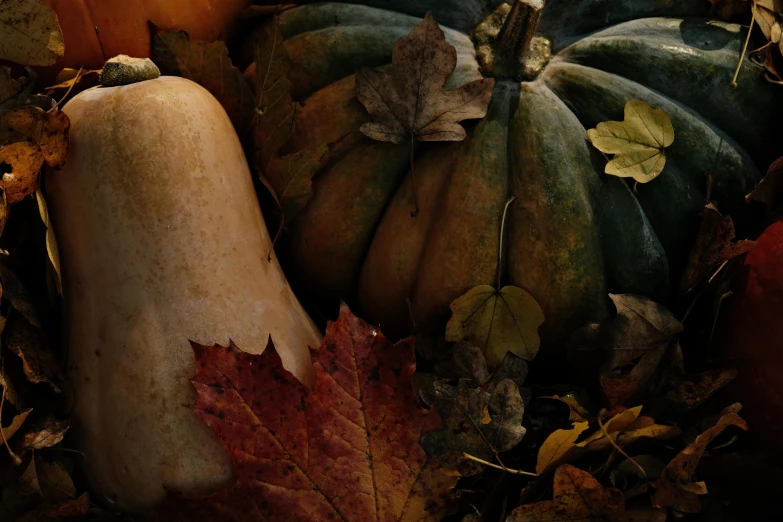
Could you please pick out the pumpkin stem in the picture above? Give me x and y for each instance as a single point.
(124, 70)
(500, 241)
(507, 45)
(519, 28)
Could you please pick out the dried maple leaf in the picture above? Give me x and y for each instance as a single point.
(347, 450)
(577, 496)
(29, 33)
(411, 102)
(478, 422)
(674, 488)
(637, 142)
(714, 245)
(638, 336)
(209, 65)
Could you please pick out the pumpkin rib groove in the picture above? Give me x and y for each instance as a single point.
(565, 21)
(554, 249)
(596, 96)
(708, 63)
(465, 229)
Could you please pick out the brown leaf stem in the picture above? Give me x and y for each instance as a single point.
(413, 184)
(500, 241)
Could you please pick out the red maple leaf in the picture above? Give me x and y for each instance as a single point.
(348, 450)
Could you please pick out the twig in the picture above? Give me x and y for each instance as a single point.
(709, 281)
(75, 81)
(745, 47)
(616, 446)
(507, 470)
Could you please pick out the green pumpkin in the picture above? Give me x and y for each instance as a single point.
(574, 233)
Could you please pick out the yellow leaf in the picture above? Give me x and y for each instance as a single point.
(558, 445)
(497, 322)
(615, 425)
(637, 142)
(29, 33)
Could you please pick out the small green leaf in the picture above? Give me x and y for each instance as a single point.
(497, 322)
(637, 142)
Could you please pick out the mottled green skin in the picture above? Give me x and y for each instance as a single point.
(573, 233)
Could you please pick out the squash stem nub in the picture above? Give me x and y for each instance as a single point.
(519, 28)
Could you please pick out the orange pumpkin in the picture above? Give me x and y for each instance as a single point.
(122, 26)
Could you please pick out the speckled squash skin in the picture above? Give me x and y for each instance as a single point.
(162, 242)
(574, 234)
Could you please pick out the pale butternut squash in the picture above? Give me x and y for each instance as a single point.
(162, 242)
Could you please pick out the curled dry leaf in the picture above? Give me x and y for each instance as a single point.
(682, 393)
(290, 178)
(28, 343)
(637, 142)
(638, 336)
(579, 497)
(16, 92)
(623, 429)
(209, 65)
(51, 241)
(412, 102)
(55, 482)
(75, 80)
(14, 290)
(477, 422)
(16, 423)
(497, 322)
(674, 488)
(714, 245)
(29, 33)
(347, 450)
(559, 447)
(68, 509)
(770, 190)
(45, 432)
(30, 136)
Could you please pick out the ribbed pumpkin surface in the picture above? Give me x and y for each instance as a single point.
(574, 234)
